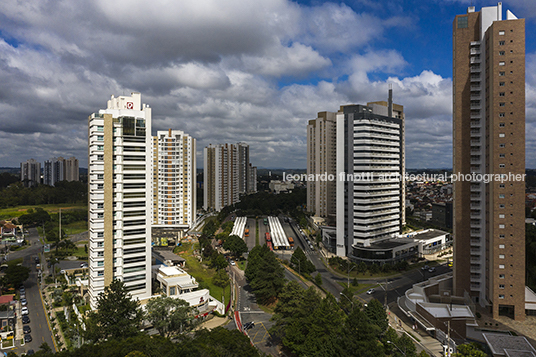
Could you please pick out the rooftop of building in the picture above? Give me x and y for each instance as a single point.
(507, 345)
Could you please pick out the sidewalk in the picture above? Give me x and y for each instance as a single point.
(401, 323)
(213, 323)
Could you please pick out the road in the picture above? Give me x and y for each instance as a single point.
(38, 322)
(249, 311)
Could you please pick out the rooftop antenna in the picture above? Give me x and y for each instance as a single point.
(390, 105)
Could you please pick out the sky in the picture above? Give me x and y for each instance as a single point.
(253, 71)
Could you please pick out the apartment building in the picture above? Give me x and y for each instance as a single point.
(59, 169)
(369, 174)
(120, 193)
(227, 175)
(30, 173)
(174, 174)
(321, 160)
(489, 138)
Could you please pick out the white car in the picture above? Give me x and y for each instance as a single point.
(370, 291)
(233, 263)
(24, 311)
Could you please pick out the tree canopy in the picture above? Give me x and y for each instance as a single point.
(118, 316)
(265, 274)
(235, 245)
(170, 316)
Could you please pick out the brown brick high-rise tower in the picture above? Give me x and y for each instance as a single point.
(489, 139)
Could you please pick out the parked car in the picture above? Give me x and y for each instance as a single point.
(431, 270)
(26, 329)
(23, 302)
(27, 338)
(83, 265)
(26, 319)
(426, 267)
(371, 291)
(23, 295)
(233, 263)
(24, 311)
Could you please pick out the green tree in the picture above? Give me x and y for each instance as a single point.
(360, 336)
(300, 262)
(235, 245)
(16, 275)
(269, 279)
(469, 350)
(118, 316)
(218, 261)
(170, 316)
(374, 269)
(376, 314)
(221, 278)
(318, 279)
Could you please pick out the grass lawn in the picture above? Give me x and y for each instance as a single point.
(241, 264)
(198, 271)
(7, 213)
(361, 288)
(75, 227)
(14, 261)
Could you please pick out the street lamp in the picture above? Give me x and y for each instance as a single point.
(394, 344)
(299, 264)
(348, 299)
(349, 270)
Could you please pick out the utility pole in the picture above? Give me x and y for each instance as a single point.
(448, 338)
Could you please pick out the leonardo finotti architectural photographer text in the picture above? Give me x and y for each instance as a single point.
(389, 177)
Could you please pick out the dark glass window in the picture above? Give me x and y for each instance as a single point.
(463, 22)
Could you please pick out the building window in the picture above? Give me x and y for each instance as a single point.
(100, 244)
(501, 33)
(100, 157)
(100, 264)
(501, 266)
(502, 184)
(501, 226)
(100, 138)
(100, 273)
(501, 84)
(501, 135)
(502, 145)
(501, 236)
(501, 246)
(501, 286)
(501, 74)
(100, 176)
(502, 165)
(463, 22)
(501, 256)
(100, 128)
(172, 290)
(501, 43)
(502, 104)
(501, 94)
(501, 63)
(501, 53)
(501, 296)
(501, 276)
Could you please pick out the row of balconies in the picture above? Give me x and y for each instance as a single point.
(377, 219)
(378, 148)
(375, 233)
(376, 141)
(376, 129)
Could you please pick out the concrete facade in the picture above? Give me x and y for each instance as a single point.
(120, 193)
(174, 174)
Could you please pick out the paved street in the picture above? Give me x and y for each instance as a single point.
(40, 331)
(250, 312)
